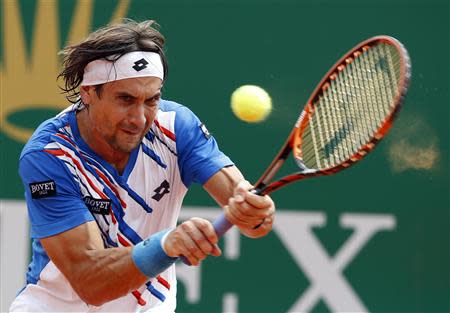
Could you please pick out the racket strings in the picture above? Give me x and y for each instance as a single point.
(349, 112)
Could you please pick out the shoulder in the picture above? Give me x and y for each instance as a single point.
(167, 105)
(179, 111)
(173, 120)
(42, 136)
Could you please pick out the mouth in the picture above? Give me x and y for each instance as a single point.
(132, 132)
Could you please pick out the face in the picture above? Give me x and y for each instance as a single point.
(120, 117)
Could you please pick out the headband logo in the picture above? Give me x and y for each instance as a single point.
(139, 65)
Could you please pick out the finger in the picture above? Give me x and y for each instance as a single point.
(241, 190)
(244, 193)
(206, 228)
(261, 231)
(266, 222)
(207, 237)
(216, 251)
(210, 234)
(175, 244)
(266, 225)
(236, 217)
(191, 237)
(193, 260)
(258, 201)
(248, 215)
(246, 209)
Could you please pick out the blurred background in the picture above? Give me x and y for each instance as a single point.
(374, 238)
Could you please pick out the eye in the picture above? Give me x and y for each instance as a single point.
(153, 101)
(126, 98)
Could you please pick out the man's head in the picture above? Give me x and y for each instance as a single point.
(110, 42)
(117, 73)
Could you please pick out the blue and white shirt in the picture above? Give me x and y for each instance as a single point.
(68, 184)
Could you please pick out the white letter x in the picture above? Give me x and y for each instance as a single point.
(325, 274)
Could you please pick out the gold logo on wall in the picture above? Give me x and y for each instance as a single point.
(29, 82)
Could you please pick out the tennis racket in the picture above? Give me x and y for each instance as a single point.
(349, 112)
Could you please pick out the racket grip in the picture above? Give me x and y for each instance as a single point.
(221, 226)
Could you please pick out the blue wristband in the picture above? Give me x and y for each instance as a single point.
(150, 257)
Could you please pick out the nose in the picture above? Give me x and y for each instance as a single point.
(137, 117)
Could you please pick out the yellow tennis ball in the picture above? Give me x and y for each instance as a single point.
(251, 103)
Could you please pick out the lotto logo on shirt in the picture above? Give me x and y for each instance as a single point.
(43, 189)
(97, 206)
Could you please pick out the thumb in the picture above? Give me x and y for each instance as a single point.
(241, 189)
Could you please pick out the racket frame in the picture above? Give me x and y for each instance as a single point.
(293, 142)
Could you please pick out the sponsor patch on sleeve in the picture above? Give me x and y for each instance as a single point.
(43, 189)
(205, 131)
(97, 206)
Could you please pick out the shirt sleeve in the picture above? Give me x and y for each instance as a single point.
(199, 156)
(53, 197)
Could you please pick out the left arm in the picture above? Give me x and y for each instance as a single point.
(253, 214)
(201, 161)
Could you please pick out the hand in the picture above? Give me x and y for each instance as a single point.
(195, 239)
(252, 213)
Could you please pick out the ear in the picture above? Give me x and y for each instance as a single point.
(86, 94)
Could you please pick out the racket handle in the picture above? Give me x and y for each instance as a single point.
(221, 226)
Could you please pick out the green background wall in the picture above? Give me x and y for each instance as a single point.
(286, 46)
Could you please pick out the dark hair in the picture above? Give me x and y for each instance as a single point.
(109, 42)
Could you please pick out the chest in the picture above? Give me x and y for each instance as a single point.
(130, 208)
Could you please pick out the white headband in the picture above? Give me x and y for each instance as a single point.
(130, 65)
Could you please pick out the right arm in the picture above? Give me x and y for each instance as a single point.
(96, 274)
(99, 275)
(72, 240)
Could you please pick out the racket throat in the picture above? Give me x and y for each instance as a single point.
(259, 190)
(302, 166)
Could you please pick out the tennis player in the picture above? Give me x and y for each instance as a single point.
(105, 180)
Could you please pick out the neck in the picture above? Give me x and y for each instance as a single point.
(116, 158)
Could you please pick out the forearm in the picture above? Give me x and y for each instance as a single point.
(99, 275)
(221, 186)
(102, 275)
(252, 213)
